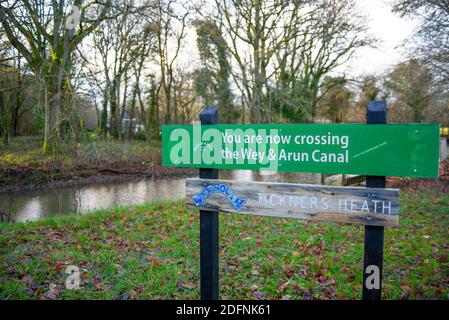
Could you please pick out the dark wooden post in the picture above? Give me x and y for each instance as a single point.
(209, 228)
(374, 236)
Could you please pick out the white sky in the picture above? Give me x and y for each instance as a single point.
(390, 29)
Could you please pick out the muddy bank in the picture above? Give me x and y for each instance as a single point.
(28, 178)
(23, 166)
(51, 173)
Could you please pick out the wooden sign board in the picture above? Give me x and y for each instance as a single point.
(361, 206)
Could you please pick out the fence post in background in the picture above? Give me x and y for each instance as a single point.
(374, 236)
(209, 228)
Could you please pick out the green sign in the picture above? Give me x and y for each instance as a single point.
(410, 150)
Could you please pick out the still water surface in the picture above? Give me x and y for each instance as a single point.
(36, 204)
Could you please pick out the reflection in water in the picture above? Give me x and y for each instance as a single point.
(267, 176)
(35, 204)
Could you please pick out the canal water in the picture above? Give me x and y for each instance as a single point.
(35, 204)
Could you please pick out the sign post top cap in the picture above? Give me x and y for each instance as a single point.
(211, 110)
(377, 106)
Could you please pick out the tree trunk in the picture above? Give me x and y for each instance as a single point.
(104, 113)
(46, 121)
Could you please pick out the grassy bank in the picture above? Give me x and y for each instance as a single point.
(152, 252)
(23, 166)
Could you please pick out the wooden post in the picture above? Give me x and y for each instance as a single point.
(209, 228)
(374, 236)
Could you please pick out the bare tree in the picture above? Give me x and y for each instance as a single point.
(411, 85)
(120, 48)
(254, 31)
(336, 102)
(185, 97)
(169, 24)
(144, 48)
(328, 38)
(38, 30)
(280, 48)
(432, 37)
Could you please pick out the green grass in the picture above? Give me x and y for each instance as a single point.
(152, 252)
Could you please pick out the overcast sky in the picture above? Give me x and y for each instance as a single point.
(390, 29)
